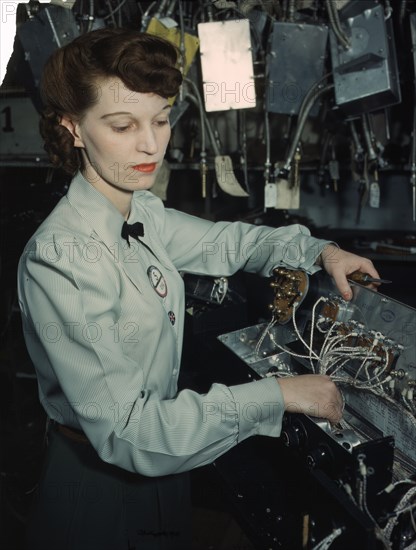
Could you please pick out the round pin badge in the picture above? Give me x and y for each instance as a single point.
(157, 281)
(172, 317)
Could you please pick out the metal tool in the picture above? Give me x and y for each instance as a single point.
(365, 278)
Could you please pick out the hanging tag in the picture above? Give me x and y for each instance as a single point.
(288, 198)
(270, 195)
(374, 200)
(226, 178)
(168, 22)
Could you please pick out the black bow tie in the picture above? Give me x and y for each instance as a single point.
(134, 230)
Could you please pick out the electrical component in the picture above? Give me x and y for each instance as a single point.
(290, 288)
(368, 347)
(228, 84)
(365, 73)
(295, 63)
(52, 28)
(20, 141)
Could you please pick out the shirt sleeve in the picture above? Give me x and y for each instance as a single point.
(202, 247)
(69, 308)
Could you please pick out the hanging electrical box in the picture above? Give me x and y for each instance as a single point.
(227, 65)
(40, 36)
(365, 74)
(20, 142)
(294, 64)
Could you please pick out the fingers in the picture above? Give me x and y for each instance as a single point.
(343, 285)
(333, 412)
(339, 264)
(368, 267)
(312, 394)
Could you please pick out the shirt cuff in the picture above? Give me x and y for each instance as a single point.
(306, 255)
(260, 406)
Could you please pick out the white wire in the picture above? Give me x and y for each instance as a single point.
(328, 540)
(288, 351)
(366, 358)
(329, 350)
(264, 334)
(321, 299)
(384, 368)
(330, 341)
(362, 489)
(115, 10)
(371, 374)
(400, 508)
(333, 356)
(338, 367)
(295, 326)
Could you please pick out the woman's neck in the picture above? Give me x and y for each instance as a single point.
(121, 198)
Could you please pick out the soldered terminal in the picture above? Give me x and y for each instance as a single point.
(290, 288)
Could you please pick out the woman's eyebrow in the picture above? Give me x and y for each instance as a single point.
(166, 107)
(117, 113)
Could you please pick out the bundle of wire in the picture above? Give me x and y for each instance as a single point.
(336, 353)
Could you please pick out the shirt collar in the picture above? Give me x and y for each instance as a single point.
(97, 210)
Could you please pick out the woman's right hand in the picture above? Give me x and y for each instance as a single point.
(312, 394)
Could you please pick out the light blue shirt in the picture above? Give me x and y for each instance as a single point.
(103, 324)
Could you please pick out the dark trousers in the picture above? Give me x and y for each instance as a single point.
(82, 503)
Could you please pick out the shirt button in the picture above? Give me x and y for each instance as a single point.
(172, 317)
(175, 371)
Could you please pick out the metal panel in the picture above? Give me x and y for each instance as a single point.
(295, 63)
(40, 36)
(368, 414)
(227, 65)
(20, 139)
(365, 75)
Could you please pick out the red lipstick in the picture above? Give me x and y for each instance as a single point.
(147, 168)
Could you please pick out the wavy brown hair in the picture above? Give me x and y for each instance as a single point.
(70, 81)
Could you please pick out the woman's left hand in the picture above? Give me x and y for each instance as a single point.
(339, 263)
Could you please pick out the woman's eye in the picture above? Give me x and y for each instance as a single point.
(162, 122)
(120, 128)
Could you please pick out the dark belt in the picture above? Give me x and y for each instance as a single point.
(71, 433)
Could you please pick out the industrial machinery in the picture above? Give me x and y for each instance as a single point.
(303, 87)
(364, 467)
(309, 118)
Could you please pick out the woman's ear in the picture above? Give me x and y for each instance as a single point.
(73, 127)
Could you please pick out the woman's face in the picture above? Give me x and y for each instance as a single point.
(123, 138)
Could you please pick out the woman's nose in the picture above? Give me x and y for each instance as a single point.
(146, 141)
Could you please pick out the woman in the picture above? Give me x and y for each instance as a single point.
(103, 309)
